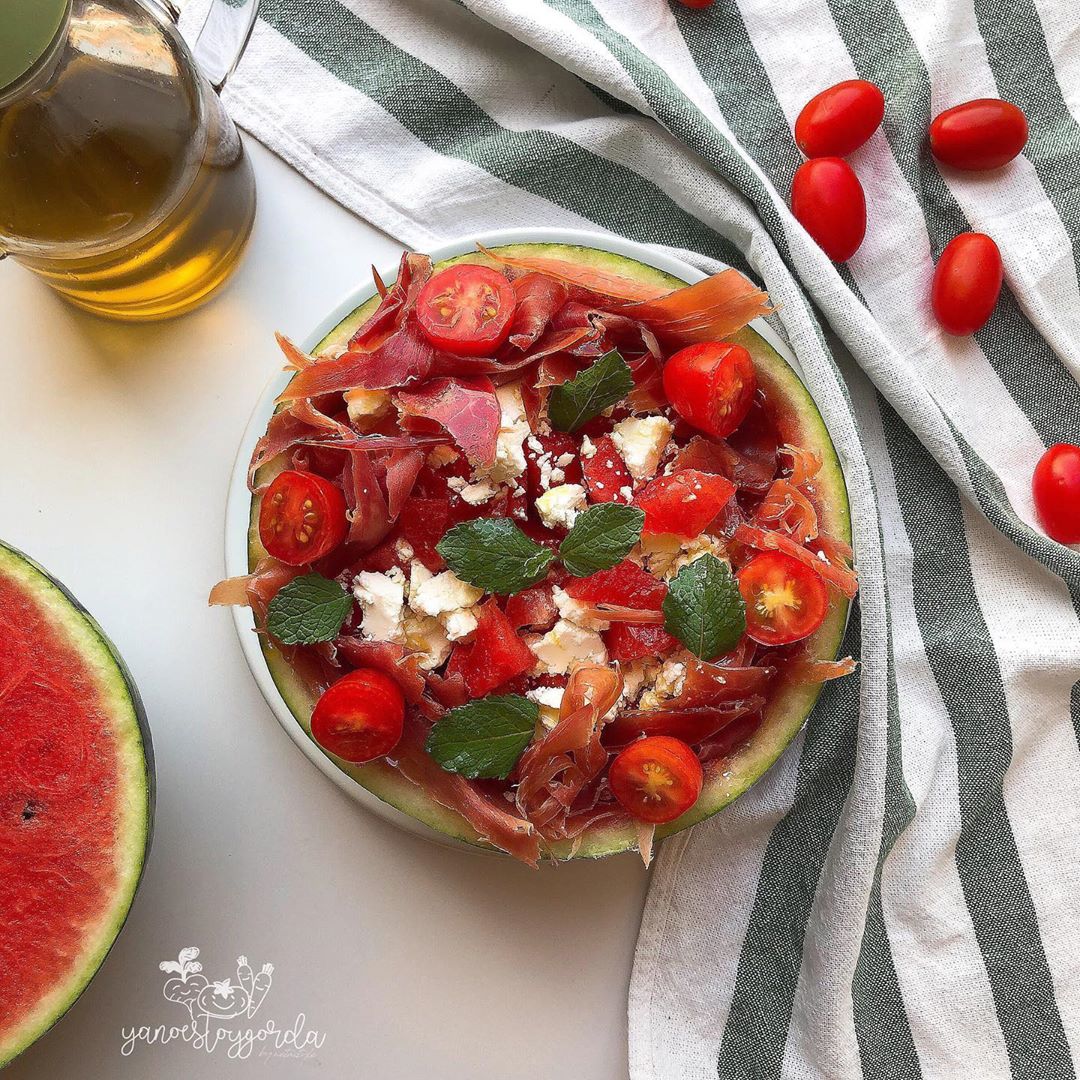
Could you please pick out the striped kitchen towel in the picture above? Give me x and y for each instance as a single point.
(899, 897)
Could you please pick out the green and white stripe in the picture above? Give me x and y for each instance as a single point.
(898, 897)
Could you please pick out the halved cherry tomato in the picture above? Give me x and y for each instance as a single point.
(785, 600)
(828, 201)
(967, 281)
(982, 134)
(466, 309)
(360, 717)
(302, 518)
(840, 119)
(656, 779)
(606, 475)
(683, 503)
(1056, 487)
(711, 386)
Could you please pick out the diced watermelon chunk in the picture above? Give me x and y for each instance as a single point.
(625, 584)
(683, 503)
(606, 474)
(422, 523)
(532, 608)
(497, 654)
(626, 641)
(553, 446)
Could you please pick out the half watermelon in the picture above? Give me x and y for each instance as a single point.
(76, 799)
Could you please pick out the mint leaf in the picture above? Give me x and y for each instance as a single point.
(484, 738)
(308, 609)
(495, 555)
(703, 608)
(604, 383)
(601, 537)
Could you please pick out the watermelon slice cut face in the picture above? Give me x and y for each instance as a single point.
(76, 799)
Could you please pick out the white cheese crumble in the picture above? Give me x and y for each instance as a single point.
(475, 492)
(641, 441)
(694, 549)
(668, 684)
(634, 675)
(427, 636)
(442, 456)
(588, 447)
(403, 549)
(549, 698)
(440, 594)
(382, 600)
(560, 506)
(363, 405)
(513, 430)
(459, 623)
(658, 551)
(565, 644)
(574, 611)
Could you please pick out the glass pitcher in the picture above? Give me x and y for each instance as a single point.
(123, 183)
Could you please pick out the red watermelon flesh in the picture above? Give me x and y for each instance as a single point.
(75, 800)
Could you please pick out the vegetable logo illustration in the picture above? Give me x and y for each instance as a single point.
(212, 1003)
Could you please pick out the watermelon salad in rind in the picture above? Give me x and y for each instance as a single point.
(76, 798)
(791, 697)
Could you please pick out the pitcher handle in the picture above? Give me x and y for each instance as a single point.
(223, 38)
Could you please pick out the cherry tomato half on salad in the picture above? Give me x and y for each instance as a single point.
(828, 201)
(840, 119)
(466, 309)
(360, 717)
(1056, 487)
(302, 518)
(967, 281)
(785, 600)
(711, 386)
(982, 134)
(656, 779)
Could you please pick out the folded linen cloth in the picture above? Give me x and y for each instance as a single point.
(898, 897)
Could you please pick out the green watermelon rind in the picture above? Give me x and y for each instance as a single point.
(790, 705)
(134, 751)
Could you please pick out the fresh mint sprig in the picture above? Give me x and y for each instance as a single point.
(484, 739)
(495, 555)
(602, 536)
(604, 383)
(704, 609)
(307, 610)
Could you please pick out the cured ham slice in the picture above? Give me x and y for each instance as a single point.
(368, 514)
(539, 297)
(492, 821)
(469, 411)
(413, 273)
(394, 660)
(255, 590)
(402, 469)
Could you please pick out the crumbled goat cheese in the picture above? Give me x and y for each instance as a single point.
(560, 506)
(363, 405)
(513, 430)
(459, 623)
(668, 684)
(659, 550)
(564, 459)
(382, 599)
(627, 493)
(549, 698)
(634, 675)
(565, 644)
(588, 447)
(574, 611)
(427, 636)
(694, 549)
(479, 492)
(442, 593)
(442, 456)
(403, 549)
(641, 441)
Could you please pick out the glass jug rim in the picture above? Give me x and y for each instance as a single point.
(39, 50)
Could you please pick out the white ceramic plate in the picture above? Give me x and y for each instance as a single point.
(238, 510)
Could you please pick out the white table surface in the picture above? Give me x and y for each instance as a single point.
(415, 962)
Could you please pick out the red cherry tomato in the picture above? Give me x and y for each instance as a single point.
(360, 717)
(827, 200)
(1056, 487)
(466, 309)
(840, 119)
(982, 134)
(656, 779)
(967, 281)
(302, 518)
(711, 386)
(606, 474)
(785, 600)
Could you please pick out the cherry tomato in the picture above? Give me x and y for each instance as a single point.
(656, 779)
(967, 281)
(982, 134)
(360, 717)
(1056, 487)
(711, 386)
(302, 517)
(785, 600)
(827, 200)
(840, 119)
(466, 309)
(606, 474)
